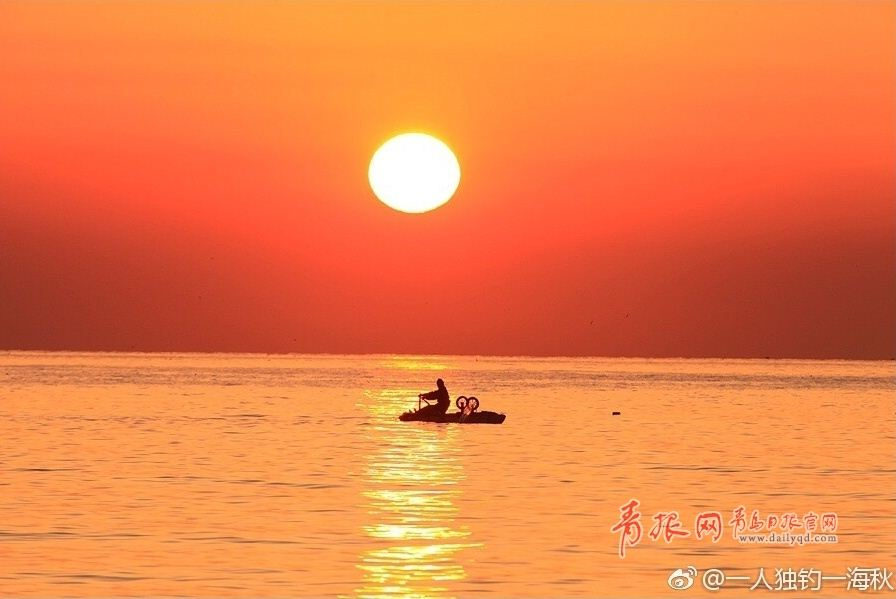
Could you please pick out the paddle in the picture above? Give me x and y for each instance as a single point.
(423, 399)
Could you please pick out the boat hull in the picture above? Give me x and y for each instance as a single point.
(454, 417)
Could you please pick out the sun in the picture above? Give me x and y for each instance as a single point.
(414, 172)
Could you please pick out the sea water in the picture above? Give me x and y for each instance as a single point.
(290, 475)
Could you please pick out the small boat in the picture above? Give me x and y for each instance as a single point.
(467, 415)
(474, 418)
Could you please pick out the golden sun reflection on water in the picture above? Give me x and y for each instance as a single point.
(410, 487)
(413, 363)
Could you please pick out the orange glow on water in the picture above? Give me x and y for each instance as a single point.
(216, 475)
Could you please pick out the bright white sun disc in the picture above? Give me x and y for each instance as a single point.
(414, 172)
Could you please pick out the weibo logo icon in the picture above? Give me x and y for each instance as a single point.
(681, 580)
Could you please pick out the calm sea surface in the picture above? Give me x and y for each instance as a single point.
(252, 475)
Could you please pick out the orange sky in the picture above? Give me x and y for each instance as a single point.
(640, 179)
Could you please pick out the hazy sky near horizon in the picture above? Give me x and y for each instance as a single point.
(638, 179)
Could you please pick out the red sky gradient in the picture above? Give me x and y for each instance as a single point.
(638, 179)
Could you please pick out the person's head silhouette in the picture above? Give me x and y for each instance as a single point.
(440, 384)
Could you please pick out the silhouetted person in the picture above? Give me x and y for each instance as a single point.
(440, 395)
